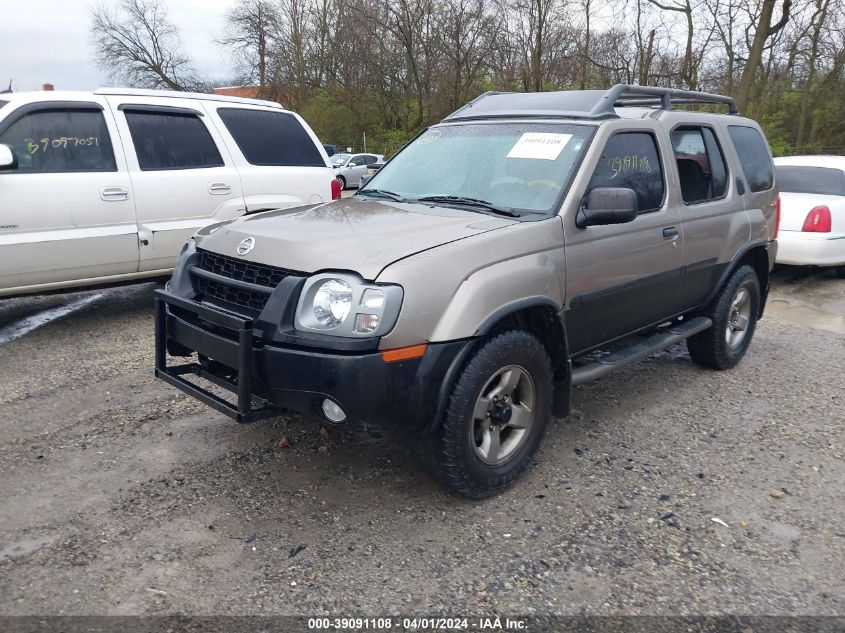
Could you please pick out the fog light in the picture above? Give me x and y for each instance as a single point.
(366, 323)
(333, 412)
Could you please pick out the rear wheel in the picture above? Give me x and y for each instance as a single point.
(497, 415)
(734, 313)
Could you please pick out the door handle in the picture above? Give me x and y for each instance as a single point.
(219, 188)
(670, 233)
(114, 194)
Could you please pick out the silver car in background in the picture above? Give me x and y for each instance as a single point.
(348, 168)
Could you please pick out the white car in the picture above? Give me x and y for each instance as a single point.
(812, 207)
(105, 187)
(349, 168)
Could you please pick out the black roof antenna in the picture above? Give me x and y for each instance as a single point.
(7, 90)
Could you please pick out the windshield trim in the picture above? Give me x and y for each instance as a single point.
(523, 213)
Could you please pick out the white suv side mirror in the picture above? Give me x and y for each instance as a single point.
(8, 160)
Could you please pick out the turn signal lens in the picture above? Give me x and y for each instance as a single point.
(403, 353)
(818, 221)
(366, 323)
(777, 218)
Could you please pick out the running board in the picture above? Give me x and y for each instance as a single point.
(646, 347)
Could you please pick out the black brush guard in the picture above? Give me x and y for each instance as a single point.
(236, 354)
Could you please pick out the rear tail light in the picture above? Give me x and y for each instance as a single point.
(337, 188)
(777, 217)
(818, 220)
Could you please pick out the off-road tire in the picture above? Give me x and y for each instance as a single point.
(449, 454)
(710, 348)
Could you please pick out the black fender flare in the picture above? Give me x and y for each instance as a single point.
(562, 386)
(731, 268)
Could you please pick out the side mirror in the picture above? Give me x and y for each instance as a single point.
(8, 159)
(607, 205)
(364, 181)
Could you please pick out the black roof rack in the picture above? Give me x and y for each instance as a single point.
(583, 104)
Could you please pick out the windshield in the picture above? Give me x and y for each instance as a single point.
(824, 181)
(339, 159)
(519, 166)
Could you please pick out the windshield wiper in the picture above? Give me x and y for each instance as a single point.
(470, 202)
(381, 193)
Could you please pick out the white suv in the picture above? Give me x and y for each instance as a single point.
(105, 187)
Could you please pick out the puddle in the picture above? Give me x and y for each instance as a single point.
(807, 316)
(23, 547)
(30, 323)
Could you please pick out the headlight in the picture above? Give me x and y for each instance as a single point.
(332, 302)
(341, 304)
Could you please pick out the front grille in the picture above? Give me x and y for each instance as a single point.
(242, 270)
(237, 270)
(216, 293)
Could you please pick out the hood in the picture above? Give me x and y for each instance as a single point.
(794, 207)
(353, 234)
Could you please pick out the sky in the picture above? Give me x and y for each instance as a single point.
(47, 41)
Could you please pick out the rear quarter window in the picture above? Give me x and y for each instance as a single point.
(271, 138)
(755, 157)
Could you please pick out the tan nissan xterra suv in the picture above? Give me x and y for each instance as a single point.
(526, 244)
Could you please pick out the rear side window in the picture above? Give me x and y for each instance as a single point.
(755, 157)
(701, 166)
(271, 138)
(631, 160)
(55, 141)
(171, 141)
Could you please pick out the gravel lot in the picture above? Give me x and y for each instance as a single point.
(119, 495)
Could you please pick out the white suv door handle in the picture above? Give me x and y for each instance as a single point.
(219, 188)
(114, 194)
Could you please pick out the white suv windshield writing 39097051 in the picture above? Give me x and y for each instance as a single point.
(522, 167)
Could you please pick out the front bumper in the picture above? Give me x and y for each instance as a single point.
(811, 249)
(268, 378)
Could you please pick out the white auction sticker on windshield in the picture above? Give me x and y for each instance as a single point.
(542, 145)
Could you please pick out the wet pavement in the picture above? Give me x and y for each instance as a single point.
(809, 297)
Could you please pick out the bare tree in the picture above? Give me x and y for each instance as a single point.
(137, 44)
(763, 30)
(250, 28)
(391, 67)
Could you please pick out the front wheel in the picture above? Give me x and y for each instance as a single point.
(734, 314)
(497, 415)
(342, 181)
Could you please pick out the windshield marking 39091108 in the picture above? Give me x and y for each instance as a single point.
(500, 168)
